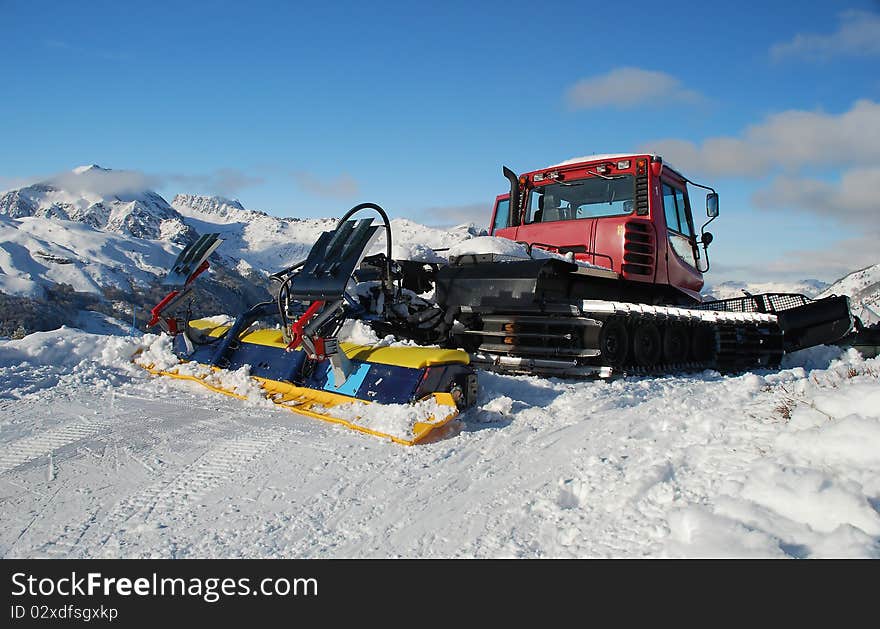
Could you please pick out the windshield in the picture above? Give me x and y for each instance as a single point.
(585, 198)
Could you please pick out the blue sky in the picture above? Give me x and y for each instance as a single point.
(308, 109)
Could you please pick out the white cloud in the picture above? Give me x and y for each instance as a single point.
(853, 198)
(342, 187)
(858, 33)
(109, 182)
(814, 162)
(13, 183)
(224, 181)
(788, 140)
(104, 183)
(828, 263)
(628, 87)
(477, 213)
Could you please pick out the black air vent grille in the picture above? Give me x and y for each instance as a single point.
(642, 195)
(639, 249)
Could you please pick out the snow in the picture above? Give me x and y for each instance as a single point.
(99, 323)
(79, 170)
(508, 250)
(37, 252)
(156, 353)
(599, 157)
(502, 247)
(416, 252)
(397, 420)
(768, 464)
(358, 332)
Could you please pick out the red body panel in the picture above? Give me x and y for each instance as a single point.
(638, 247)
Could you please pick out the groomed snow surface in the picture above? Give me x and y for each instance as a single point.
(100, 459)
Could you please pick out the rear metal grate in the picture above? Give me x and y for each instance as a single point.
(770, 303)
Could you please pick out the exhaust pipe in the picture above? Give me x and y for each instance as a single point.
(514, 195)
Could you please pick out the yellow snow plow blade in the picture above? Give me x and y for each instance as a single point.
(319, 404)
(414, 357)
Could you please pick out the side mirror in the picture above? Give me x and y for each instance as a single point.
(712, 205)
(708, 237)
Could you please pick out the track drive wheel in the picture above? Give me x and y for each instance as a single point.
(676, 344)
(647, 344)
(703, 343)
(614, 343)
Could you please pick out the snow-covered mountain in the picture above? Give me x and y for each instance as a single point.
(37, 252)
(863, 288)
(269, 243)
(727, 290)
(92, 229)
(96, 239)
(95, 230)
(105, 199)
(220, 209)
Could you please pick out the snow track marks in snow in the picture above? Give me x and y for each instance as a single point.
(30, 448)
(211, 470)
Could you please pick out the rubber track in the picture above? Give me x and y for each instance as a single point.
(734, 332)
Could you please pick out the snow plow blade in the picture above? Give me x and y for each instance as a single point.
(419, 381)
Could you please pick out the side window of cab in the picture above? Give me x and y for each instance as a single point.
(675, 206)
(502, 213)
(679, 224)
(669, 207)
(684, 213)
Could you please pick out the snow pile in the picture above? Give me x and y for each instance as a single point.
(158, 354)
(64, 358)
(416, 252)
(65, 348)
(219, 319)
(503, 248)
(359, 333)
(813, 491)
(506, 250)
(395, 420)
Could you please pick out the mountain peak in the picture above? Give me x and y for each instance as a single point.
(206, 202)
(213, 208)
(88, 168)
